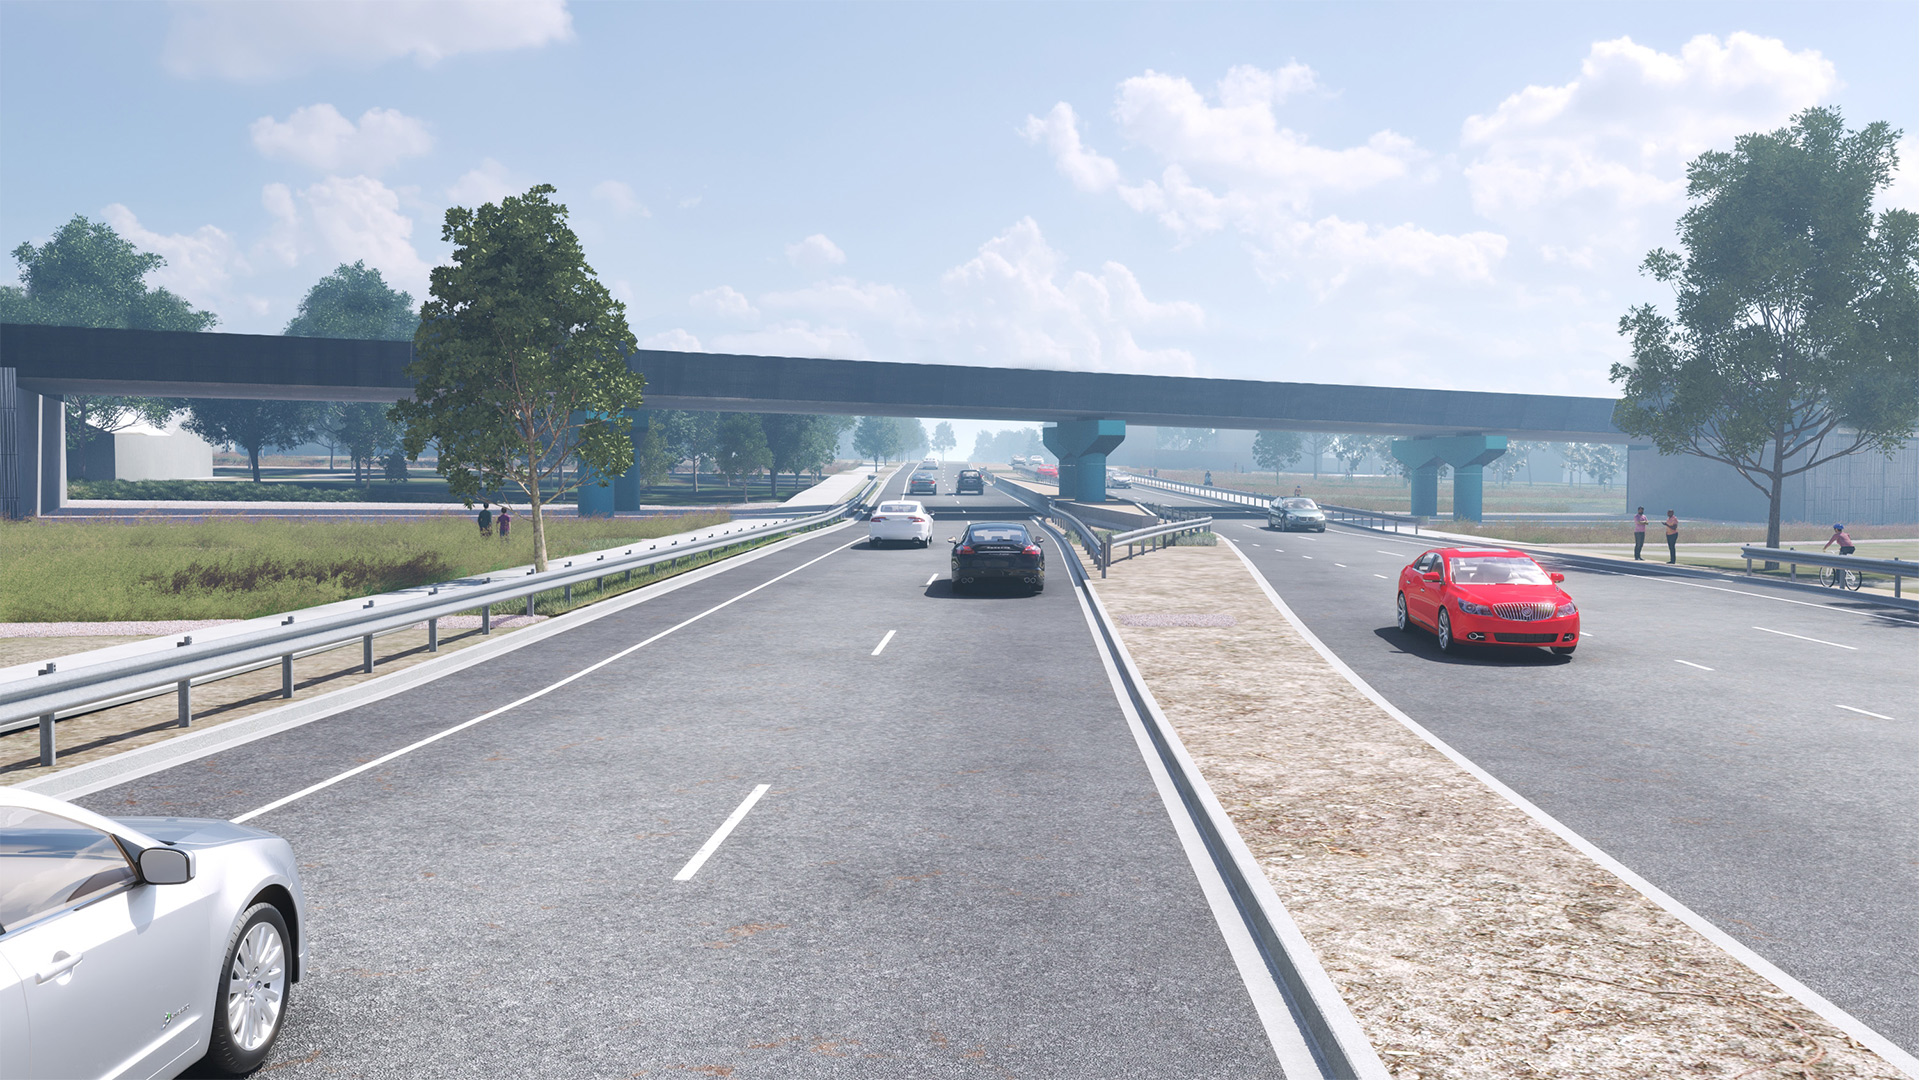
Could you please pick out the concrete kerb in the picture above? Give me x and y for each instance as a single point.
(1622, 566)
(1280, 967)
(144, 761)
(1753, 961)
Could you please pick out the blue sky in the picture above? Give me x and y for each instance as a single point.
(1431, 194)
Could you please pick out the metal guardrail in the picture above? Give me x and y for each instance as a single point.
(1033, 500)
(1893, 568)
(1148, 536)
(1354, 513)
(56, 690)
(1226, 495)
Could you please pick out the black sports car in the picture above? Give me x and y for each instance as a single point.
(970, 481)
(998, 551)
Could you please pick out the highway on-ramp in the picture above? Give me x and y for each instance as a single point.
(1748, 749)
(948, 855)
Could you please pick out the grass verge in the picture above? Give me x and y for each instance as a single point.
(95, 572)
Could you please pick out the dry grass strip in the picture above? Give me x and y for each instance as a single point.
(1469, 941)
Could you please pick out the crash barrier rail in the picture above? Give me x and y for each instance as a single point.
(1153, 536)
(1330, 1042)
(1352, 514)
(55, 691)
(1089, 540)
(1893, 568)
(1226, 495)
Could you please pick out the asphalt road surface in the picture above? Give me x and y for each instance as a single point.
(960, 864)
(1749, 749)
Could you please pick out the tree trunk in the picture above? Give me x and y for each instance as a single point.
(539, 527)
(696, 475)
(253, 460)
(1776, 481)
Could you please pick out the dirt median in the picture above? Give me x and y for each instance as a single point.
(1469, 940)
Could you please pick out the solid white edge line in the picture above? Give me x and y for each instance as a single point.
(1802, 637)
(1690, 663)
(1863, 712)
(511, 705)
(713, 842)
(1283, 1033)
(1759, 965)
(882, 645)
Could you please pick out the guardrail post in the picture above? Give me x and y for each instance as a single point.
(286, 676)
(567, 593)
(47, 754)
(183, 696)
(433, 635)
(486, 619)
(529, 605)
(366, 654)
(1793, 571)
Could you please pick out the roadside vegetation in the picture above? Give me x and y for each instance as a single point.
(95, 572)
(1792, 532)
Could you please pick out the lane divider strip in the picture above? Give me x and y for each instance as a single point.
(713, 842)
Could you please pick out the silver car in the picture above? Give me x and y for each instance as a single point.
(1296, 512)
(137, 947)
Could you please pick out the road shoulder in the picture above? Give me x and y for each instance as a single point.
(1467, 938)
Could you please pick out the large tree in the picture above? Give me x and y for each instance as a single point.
(355, 302)
(1276, 450)
(254, 426)
(88, 275)
(943, 439)
(798, 442)
(1793, 341)
(520, 362)
(740, 448)
(876, 437)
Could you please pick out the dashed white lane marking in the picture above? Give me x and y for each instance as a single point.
(537, 694)
(1801, 637)
(933, 577)
(1395, 554)
(1306, 556)
(1690, 663)
(882, 645)
(1383, 577)
(1341, 565)
(713, 842)
(1863, 712)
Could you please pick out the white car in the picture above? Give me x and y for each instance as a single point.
(140, 946)
(1119, 479)
(907, 522)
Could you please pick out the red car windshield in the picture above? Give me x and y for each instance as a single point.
(1496, 570)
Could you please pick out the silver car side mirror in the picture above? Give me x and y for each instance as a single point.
(166, 866)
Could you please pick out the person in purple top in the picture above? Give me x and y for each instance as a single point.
(504, 521)
(1639, 532)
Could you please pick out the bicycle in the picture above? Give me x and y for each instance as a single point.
(1834, 578)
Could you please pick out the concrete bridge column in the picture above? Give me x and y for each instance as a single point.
(1467, 454)
(1082, 447)
(624, 492)
(33, 451)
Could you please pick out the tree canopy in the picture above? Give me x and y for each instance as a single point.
(877, 437)
(1793, 340)
(355, 302)
(254, 425)
(1277, 449)
(520, 362)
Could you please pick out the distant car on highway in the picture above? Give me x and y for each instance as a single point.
(1487, 597)
(138, 947)
(970, 481)
(1296, 512)
(903, 522)
(929, 463)
(924, 483)
(1018, 460)
(1118, 479)
(998, 551)
(1047, 472)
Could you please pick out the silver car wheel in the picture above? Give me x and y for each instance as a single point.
(256, 987)
(1400, 610)
(1444, 631)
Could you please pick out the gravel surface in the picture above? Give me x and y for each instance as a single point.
(1470, 941)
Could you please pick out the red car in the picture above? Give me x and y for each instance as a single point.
(1047, 472)
(1487, 597)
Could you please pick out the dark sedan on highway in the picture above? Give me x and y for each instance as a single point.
(1296, 512)
(998, 551)
(924, 483)
(970, 482)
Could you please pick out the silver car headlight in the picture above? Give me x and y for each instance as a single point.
(1468, 607)
(1565, 610)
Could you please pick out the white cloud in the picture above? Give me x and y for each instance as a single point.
(1332, 250)
(1088, 170)
(318, 137)
(796, 338)
(689, 202)
(724, 302)
(282, 242)
(1607, 152)
(1015, 303)
(845, 298)
(674, 340)
(353, 218)
(264, 41)
(489, 183)
(200, 264)
(620, 197)
(816, 252)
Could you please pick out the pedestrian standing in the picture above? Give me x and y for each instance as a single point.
(1639, 532)
(485, 519)
(505, 522)
(1296, 491)
(1673, 538)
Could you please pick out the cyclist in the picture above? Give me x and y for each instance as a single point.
(1846, 548)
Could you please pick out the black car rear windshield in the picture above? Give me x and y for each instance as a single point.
(997, 534)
